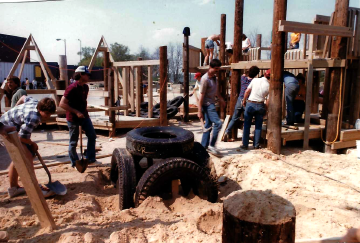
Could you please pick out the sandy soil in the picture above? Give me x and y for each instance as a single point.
(323, 188)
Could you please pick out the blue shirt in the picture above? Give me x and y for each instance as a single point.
(245, 81)
(289, 78)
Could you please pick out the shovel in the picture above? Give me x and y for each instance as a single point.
(202, 126)
(81, 164)
(56, 186)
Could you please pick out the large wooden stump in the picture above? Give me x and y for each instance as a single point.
(258, 216)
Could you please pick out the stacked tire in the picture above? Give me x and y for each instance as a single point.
(171, 110)
(177, 158)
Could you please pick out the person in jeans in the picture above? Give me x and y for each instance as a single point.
(74, 102)
(209, 46)
(239, 108)
(26, 116)
(291, 90)
(206, 107)
(257, 91)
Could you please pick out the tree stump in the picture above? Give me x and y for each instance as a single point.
(258, 216)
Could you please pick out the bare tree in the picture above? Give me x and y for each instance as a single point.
(175, 64)
(252, 36)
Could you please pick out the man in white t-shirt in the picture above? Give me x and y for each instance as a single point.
(257, 91)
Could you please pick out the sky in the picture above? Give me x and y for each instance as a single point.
(135, 23)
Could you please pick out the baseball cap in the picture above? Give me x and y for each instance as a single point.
(197, 75)
(82, 69)
(267, 73)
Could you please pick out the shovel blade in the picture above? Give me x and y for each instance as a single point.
(81, 165)
(57, 187)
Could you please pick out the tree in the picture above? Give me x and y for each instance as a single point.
(120, 52)
(143, 53)
(175, 63)
(87, 53)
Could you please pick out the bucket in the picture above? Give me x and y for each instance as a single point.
(358, 148)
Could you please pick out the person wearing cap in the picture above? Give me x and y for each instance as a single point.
(197, 86)
(209, 46)
(74, 102)
(257, 93)
(239, 108)
(294, 40)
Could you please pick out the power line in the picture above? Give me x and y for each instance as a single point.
(29, 1)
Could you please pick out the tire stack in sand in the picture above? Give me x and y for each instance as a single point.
(171, 155)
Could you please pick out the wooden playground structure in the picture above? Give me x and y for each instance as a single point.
(120, 78)
(329, 58)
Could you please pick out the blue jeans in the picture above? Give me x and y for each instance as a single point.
(237, 113)
(291, 90)
(210, 116)
(251, 110)
(88, 127)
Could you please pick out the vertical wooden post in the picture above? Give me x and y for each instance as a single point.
(140, 75)
(309, 82)
(222, 80)
(63, 69)
(326, 92)
(203, 50)
(237, 55)
(315, 93)
(28, 178)
(163, 85)
(150, 92)
(258, 44)
(276, 81)
(22, 65)
(112, 79)
(304, 47)
(106, 80)
(338, 51)
(138, 87)
(132, 98)
(186, 77)
(125, 71)
(355, 97)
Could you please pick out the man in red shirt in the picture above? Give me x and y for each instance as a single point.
(74, 102)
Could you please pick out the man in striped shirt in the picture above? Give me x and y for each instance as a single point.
(26, 117)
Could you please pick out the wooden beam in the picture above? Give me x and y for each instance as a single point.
(150, 93)
(92, 93)
(316, 29)
(132, 87)
(109, 108)
(309, 82)
(350, 134)
(17, 61)
(163, 86)
(22, 64)
(222, 81)
(137, 63)
(223, 128)
(193, 48)
(326, 49)
(341, 144)
(125, 84)
(29, 181)
(138, 123)
(93, 58)
(138, 86)
(186, 80)
(30, 48)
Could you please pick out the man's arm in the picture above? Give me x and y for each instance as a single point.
(64, 103)
(246, 95)
(201, 101)
(21, 100)
(4, 130)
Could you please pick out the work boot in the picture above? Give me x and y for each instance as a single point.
(213, 150)
(4, 236)
(15, 191)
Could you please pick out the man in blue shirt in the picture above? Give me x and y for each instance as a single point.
(291, 90)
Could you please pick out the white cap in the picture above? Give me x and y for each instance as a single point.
(82, 69)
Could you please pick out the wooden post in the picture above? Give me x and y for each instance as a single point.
(28, 179)
(222, 79)
(315, 93)
(258, 44)
(186, 78)
(355, 97)
(150, 93)
(63, 69)
(138, 86)
(304, 47)
(163, 86)
(309, 90)
(203, 50)
(140, 75)
(132, 98)
(22, 64)
(331, 124)
(106, 81)
(276, 81)
(246, 222)
(338, 51)
(237, 56)
(112, 79)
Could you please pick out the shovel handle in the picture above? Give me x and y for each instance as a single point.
(81, 149)
(43, 164)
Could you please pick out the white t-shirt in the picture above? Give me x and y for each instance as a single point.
(246, 42)
(197, 87)
(259, 89)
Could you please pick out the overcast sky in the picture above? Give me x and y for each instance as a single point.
(150, 23)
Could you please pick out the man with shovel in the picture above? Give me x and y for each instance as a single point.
(26, 116)
(74, 102)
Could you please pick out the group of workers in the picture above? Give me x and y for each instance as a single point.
(26, 114)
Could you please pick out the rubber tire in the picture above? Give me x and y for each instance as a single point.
(199, 155)
(126, 177)
(144, 105)
(171, 111)
(177, 101)
(164, 172)
(156, 106)
(159, 148)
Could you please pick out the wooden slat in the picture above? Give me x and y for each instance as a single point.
(17, 61)
(326, 49)
(41, 91)
(138, 86)
(193, 48)
(125, 84)
(137, 63)
(92, 93)
(223, 128)
(30, 48)
(29, 181)
(132, 87)
(108, 108)
(22, 64)
(93, 58)
(308, 106)
(138, 123)
(357, 35)
(341, 145)
(150, 92)
(321, 18)
(350, 134)
(317, 29)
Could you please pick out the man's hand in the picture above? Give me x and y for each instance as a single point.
(34, 147)
(200, 115)
(351, 236)
(80, 115)
(4, 130)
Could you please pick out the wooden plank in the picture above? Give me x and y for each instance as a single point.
(349, 134)
(93, 58)
(138, 123)
(341, 145)
(137, 63)
(22, 64)
(308, 106)
(41, 91)
(326, 49)
(125, 85)
(321, 18)
(132, 97)
(138, 86)
(223, 128)
(92, 93)
(317, 29)
(30, 48)
(29, 181)
(150, 93)
(17, 61)
(108, 108)
(193, 48)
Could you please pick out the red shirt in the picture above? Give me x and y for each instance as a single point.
(77, 96)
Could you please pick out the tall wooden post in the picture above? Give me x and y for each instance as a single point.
(138, 87)
(163, 85)
(63, 69)
(258, 43)
(140, 73)
(106, 79)
(186, 77)
(222, 80)
(237, 54)
(338, 51)
(276, 85)
(111, 98)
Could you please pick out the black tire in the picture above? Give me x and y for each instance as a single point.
(156, 106)
(126, 177)
(171, 111)
(162, 173)
(159, 142)
(199, 155)
(144, 105)
(177, 101)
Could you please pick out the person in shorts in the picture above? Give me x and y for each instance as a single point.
(209, 46)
